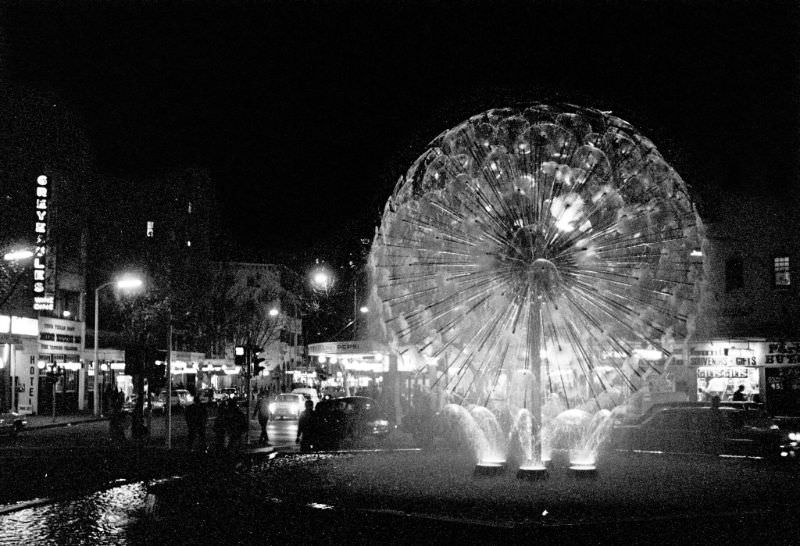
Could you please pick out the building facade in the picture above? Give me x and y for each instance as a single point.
(747, 330)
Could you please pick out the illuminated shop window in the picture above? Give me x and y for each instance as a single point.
(781, 271)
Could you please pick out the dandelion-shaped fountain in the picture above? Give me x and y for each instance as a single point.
(534, 252)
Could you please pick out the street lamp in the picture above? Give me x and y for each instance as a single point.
(126, 282)
(17, 255)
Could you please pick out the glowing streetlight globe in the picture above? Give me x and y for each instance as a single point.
(129, 282)
(16, 255)
(321, 279)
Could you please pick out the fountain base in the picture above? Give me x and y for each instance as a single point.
(487, 469)
(583, 470)
(532, 473)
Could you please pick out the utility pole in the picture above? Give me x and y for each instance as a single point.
(355, 306)
(248, 363)
(169, 384)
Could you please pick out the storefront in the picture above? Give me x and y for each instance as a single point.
(367, 368)
(782, 378)
(349, 366)
(19, 376)
(185, 367)
(217, 373)
(720, 367)
(59, 365)
(768, 370)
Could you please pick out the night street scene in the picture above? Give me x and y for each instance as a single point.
(399, 272)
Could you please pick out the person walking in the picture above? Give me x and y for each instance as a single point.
(262, 412)
(236, 424)
(196, 418)
(117, 419)
(220, 427)
(306, 433)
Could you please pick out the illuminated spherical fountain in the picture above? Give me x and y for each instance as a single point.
(537, 252)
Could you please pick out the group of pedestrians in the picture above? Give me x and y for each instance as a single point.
(230, 424)
(229, 427)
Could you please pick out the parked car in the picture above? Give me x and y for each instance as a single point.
(701, 429)
(349, 419)
(226, 393)
(309, 393)
(180, 398)
(287, 406)
(206, 396)
(158, 404)
(11, 423)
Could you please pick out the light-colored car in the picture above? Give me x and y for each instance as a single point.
(226, 393)
(309, 393)
(287, 406)
(180, 397)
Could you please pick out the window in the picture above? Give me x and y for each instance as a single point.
(734, 274)
(781, 271)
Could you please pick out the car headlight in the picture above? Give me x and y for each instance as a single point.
(271, 407)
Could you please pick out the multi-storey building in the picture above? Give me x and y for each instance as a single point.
(747, 330)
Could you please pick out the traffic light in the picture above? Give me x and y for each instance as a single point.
(257, 360)
(239, 356)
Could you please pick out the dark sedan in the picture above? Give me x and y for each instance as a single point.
(347, 420)
(11, 423)
(724, 431)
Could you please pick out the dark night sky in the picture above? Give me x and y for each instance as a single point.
(307, 112)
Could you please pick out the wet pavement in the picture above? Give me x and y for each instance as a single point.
(103, 517)
(413, 497)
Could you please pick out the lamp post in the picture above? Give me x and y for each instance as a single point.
(123, 283)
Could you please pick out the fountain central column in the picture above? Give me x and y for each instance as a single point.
(536, 372)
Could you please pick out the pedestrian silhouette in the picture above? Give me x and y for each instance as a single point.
(262, 412)
(196, 418)
(306, 428)
(235, 425)
(117, 420)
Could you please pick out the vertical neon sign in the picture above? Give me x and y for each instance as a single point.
(43, 281)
